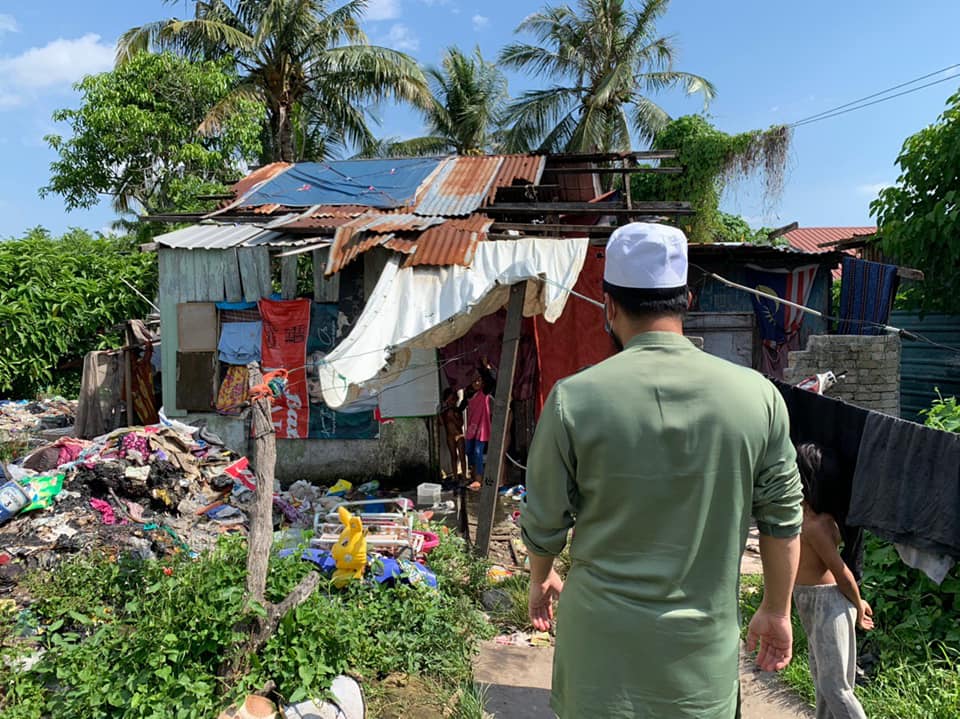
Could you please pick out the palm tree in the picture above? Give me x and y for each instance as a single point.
(308, 63)
(466, 111)
(605, 58)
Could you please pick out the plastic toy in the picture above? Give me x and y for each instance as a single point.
(350, 550)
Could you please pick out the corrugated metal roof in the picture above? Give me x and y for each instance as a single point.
(350, 241)
(215, 236)
(460, 187)
(261, 174)
(810, 239)
(518, 168)
(452, 243)
(399, 222)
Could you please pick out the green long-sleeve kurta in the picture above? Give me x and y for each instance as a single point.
(656, 457)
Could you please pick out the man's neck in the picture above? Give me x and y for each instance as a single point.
(672, 324)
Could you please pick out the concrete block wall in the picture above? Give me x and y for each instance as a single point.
(872, 365)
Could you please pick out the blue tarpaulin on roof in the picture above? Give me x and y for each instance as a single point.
(374, 183)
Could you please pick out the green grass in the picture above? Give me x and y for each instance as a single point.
(906, 688)
(128, 639)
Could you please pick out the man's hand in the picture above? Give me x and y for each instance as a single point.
(775, 634)
(542, 596)
(865, 616)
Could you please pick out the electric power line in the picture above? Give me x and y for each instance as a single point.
(837, 111)
(876, 94)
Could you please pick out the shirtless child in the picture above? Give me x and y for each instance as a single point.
(826, 594)
(452, 418)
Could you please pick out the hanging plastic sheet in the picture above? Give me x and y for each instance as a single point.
(429, 307)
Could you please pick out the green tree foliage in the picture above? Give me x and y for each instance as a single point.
(465, 113)
(59, 299)
(306, 62)
(919, 217)
(134, 138)
(711, 159)
(605, 59)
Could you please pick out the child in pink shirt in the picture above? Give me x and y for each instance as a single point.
(479, 413)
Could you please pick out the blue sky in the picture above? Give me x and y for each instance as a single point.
(772, 62)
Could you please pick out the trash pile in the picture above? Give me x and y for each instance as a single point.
(24, 424)
(170, 487)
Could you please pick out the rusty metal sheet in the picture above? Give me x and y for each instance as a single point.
(518, 168)
(261, 174)
(452, 243)
(460, 186)
(350, 241)
(406, 245)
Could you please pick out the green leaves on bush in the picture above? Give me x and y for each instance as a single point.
(944, 414)
(59, 299)
(129, 639)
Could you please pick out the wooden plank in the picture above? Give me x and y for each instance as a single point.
(250, 280)
(615, 170)
(128, 339)
(210, 275)
(288, 277)
(592, 208)
(325, 289)
(611, 156)
(168, 298)
(501, 411)
(550, 227)
(908, 273)
(261, 256)
(233, 287)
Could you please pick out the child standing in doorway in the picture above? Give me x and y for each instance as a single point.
(826, 594)
(452, 417)
(479, 413)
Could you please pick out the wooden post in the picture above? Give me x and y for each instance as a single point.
(128, 341)
(500, 419)
(261, 515)
(259, 542)
(288, 277)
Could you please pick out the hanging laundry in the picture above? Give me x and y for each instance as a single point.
(778, 323)
(240, 342)
(839, 427)
(234, 390)
(867, 292)
(906, 488)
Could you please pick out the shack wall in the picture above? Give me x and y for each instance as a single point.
(244, 274)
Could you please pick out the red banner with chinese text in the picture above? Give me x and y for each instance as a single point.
(286, 324)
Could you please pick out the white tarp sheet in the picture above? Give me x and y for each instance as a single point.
(429, 307)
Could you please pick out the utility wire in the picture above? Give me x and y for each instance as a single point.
(876, 94)
(906, 334)
(836, 112)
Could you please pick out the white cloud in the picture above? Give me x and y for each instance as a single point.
(383, 10)
(59, 63)
(8, 23)
(480, 22)
(400, 37)
(872, 189)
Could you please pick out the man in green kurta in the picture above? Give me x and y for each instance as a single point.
(656, 458)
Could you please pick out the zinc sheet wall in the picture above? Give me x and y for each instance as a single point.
(924, 367)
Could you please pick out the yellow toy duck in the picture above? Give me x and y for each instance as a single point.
(350, 551)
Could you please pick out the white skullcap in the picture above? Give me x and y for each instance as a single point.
(646, 256)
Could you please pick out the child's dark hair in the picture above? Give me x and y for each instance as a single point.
(819, 473)
(447, 393)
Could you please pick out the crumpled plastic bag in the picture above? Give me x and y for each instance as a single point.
(41, 490)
